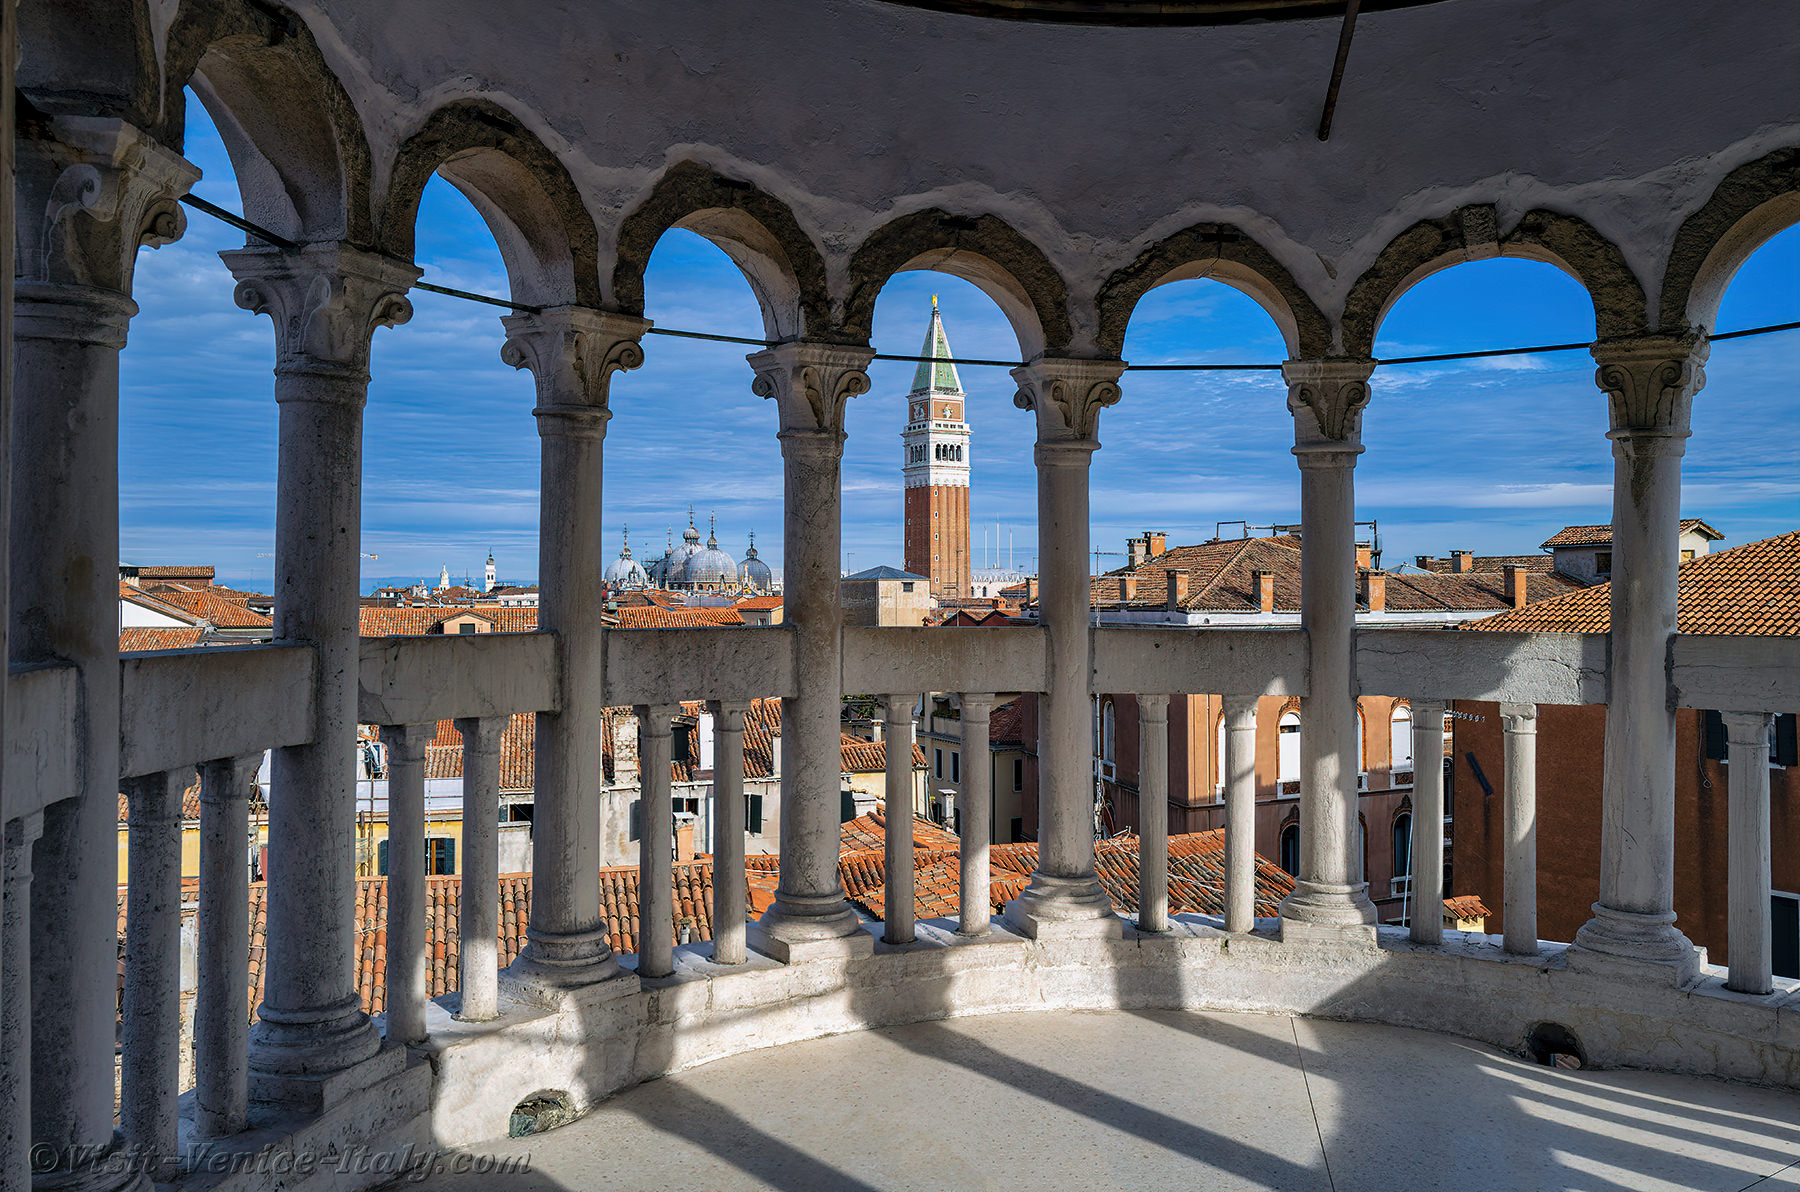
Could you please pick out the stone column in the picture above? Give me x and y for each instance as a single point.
(656, 841)
(325, 300)
(1519, 727)
(406, 984)
(901, 898)
(976, 886)
(15, 1002)
(478, 921)
(572, 353)
(810, 383)
(1064, 897)
(222, 949)
(729, 885)
(1747, 772)
(1428, 822)
(1650, 382)
(89, 192)
(1326, 398)
(1153, 812)
(1240, 813)
(150, 1018)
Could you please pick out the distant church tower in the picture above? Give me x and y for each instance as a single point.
(936, 468)
(489, 576)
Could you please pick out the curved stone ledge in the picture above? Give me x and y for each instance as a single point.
(605, 1038)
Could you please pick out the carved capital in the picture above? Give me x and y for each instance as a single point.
(573, 352)
(326, 300)
(1067, 395)
(811, 383)
(91, 192)
(1650, 382)
(1326, 398)
(1519, 719)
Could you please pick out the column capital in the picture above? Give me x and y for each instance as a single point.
(92, 191)
(1067, 395)
(811, 383)
(573, 352)
(326, 300)
(481, 733)
(1749, 729)
(728, 716)
(1240, 710)
(1326, 396)
(978, 703)
(1650, 382)
(230, 783)
(408, 741)
(1153, 707)
(1519, 718)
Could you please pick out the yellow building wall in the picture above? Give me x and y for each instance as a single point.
(368, 836)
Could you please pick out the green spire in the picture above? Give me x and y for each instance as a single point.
(936, 375)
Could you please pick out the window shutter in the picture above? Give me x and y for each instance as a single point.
(846, 806)
(1713, 731)
(1787, 741)
(449, 855)
(381, 858)
(755, 815)
(637, 819)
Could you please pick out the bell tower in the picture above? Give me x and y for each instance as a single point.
(936, 462)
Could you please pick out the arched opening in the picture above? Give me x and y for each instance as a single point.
(1290, 849)
(1108, 736)
(1403, 844)
(1288, 750)
(1400, 751)
(1219, 752)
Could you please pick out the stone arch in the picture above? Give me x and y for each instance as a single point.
(1471, 233)
(757, 231)
(522, 190)
(296, 141)
(1750, 205)
(983, 250)
(89, 58)
(1221, 253)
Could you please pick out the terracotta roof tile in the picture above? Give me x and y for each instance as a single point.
(658, 617)
(1006, 725)
(222, 611)
(870, 757)
(144, 599)
(1466, 906)
(159, 637)
(404, 622)
(1600, 535)
(868, 833)
(1749, 589)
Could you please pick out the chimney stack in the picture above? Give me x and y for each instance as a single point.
(1156, 541)
(1178, 581)
(1462, 562)
(1128, 588)
(1371, 589)
(1365, 556)
(1515, 585)
(1138, 550)
(1425, 562)
(1265, 590)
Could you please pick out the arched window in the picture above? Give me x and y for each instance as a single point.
(1403, 844)
(1400, 738)
(1290, 849)
(1362, 742)
(1107, 732)
(1288, 742)
(1221, 751)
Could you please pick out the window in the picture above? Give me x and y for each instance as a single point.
(937, 763)
(1108, 731)
(1018, 773)
(1602, 562)
(466, 627)
(440, 855)
(1221, 749)
(955, 766)
(906, 585)
(1288, 747)
(753, 813)
(1784, 926)
(1400, 738)
(1018, 829)
(1403, 844)
(1290, 849)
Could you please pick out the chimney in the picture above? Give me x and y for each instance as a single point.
(1371, 589)
(1462, 562)
(1138, 550)
(1515, 585)
(1365, 556)
(625, 746)
(1156, 541)
(1265, 590)
(1177, 589)
(1425, 562)
(1128, 588)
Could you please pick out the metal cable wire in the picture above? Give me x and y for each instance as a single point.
(244, 225)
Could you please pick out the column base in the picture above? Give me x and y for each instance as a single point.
(552, 961)
(1324, 911)
(1063, 908)
(274, 1095)
(1634, 946)
(797, 929)
(311, 1043)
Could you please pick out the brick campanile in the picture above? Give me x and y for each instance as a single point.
(936, 467)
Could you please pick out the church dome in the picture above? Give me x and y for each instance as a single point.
(625, 571)
(754, 574)
(676, 569)
(712, 567)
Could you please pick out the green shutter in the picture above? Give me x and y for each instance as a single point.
(755, 813)
(846, 806)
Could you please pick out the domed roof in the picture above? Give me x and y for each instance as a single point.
(753, 573)
(625, 571)
(676, 571)
(712, 565)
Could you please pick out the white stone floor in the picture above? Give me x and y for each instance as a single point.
(1163, 1100)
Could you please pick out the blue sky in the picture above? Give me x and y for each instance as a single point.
(1491, 455)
